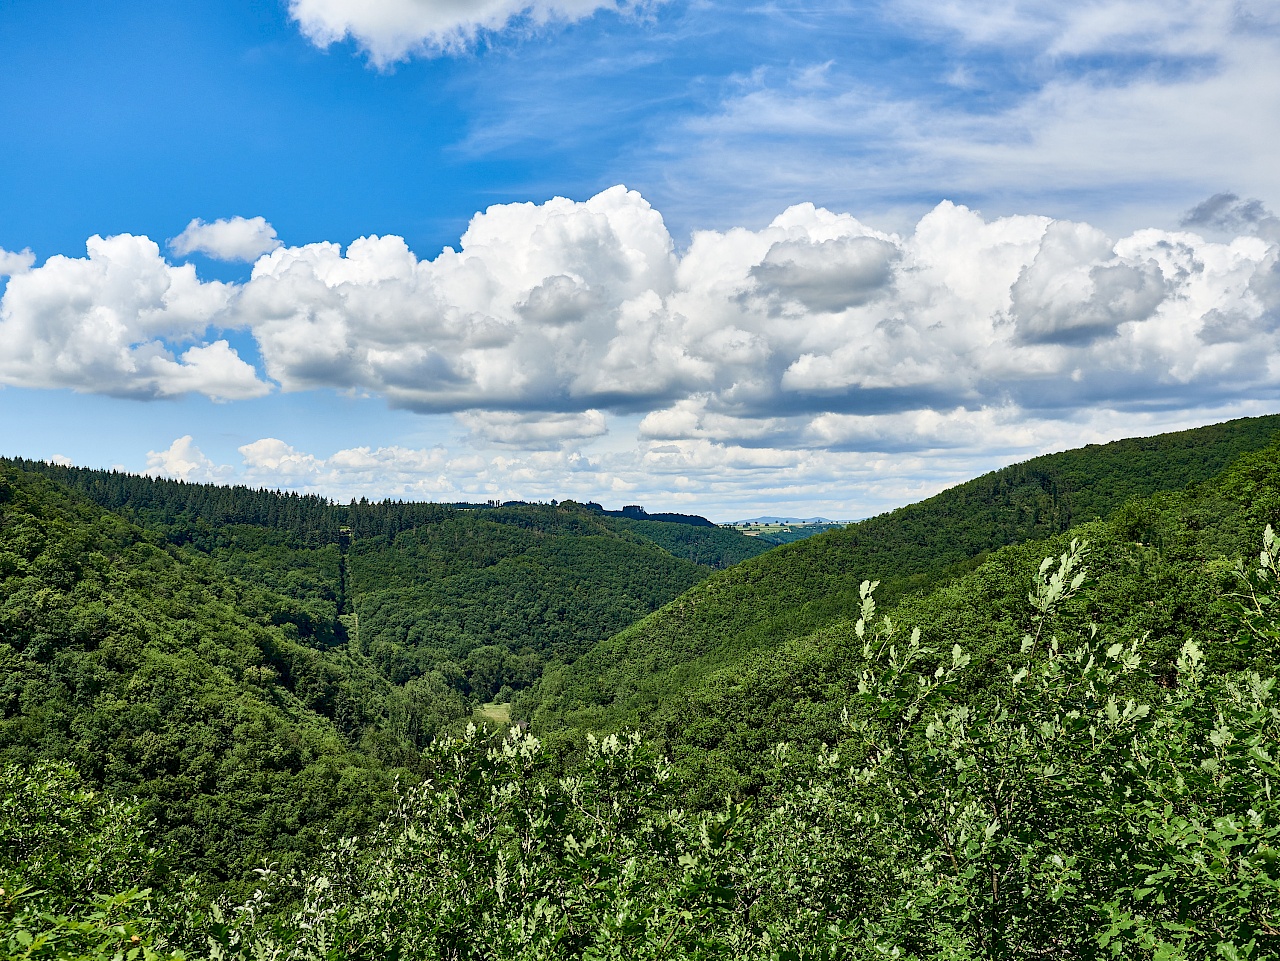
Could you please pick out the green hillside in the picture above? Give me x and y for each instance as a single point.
(459, 602)
(1159, 568)
(161, 677)
(492, 594)
(1066, 747)
(794, 590)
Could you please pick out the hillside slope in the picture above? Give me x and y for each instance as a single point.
(797, 589)
(470, 600)
(1072, 758)
(158, 675)
(1161, 573)
(492, 594)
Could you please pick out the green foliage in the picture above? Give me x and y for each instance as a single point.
(159, 677)
(715, 547)
(1062, 812)
(430, 583)
(770, 605)
(73, 863)
(204, 662)
(1071, 756)
(496, 593)
(1061, 815)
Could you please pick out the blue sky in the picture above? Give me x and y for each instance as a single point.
(868, 249)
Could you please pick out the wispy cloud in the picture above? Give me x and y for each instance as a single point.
(393, 30)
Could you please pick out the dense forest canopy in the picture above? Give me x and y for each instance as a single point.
(258, 668)
(473, 599)
(1046, 724)
(760, 606)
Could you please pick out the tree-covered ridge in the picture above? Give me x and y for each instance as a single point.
(707, 545)
(1013, 768)
(200, 514)
(199, 654)
(159, 676)
(463, 603)
(1160, 568)
(794, 590)
(490, 595)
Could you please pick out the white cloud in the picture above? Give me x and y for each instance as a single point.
(183, 460)
(108, 323)
(1108, 108)
(1166, 27)
(235, 239)
(353, 472)
(523, 316)
(532, 431)
(814, 333)
(15, 262)
(1075, 292)
(391, 30)
(865, 464)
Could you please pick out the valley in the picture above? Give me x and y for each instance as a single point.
(584, 731)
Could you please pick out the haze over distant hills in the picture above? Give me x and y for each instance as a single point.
(786, 520)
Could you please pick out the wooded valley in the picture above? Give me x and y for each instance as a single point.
(1034, 713)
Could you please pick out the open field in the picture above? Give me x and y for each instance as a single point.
(782, 533)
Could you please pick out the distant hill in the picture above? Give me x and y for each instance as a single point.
(783, 520)
(1159, 568)
(796, 589)
(1021, 764)
(489, 597)
(474, 599)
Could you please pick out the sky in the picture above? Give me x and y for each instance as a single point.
(720, 258)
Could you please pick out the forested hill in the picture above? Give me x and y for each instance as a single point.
(160, 676)
(798, 588)
(466, 601)
(258, 666)
(199, 513)
(483, 599)
(1071, 756)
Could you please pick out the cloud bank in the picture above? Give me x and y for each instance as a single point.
(749, 337)
(817, 332)
(392, 30)
(906, 457)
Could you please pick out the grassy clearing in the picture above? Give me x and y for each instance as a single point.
(493, 714)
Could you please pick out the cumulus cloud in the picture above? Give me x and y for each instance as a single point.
(1075, 291)
(827, 275)
(558, 305)
(814, 332)
(533, 431)
(108, 322)
(391, 30)
(391, 471)
(1227, 213)
(235, 239)
(183, 460)
(15, 262)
